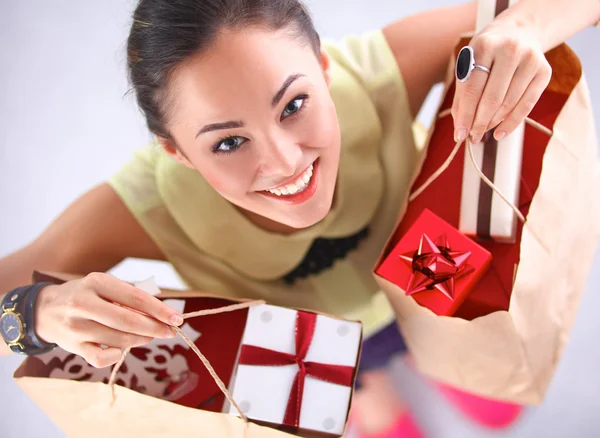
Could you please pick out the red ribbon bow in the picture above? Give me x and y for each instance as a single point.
(435, 265)
(305, 329)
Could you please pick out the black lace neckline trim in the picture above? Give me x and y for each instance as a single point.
(323, 253)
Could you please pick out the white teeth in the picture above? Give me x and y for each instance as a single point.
(297, 186)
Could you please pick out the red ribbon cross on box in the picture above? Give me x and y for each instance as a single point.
(305, 329)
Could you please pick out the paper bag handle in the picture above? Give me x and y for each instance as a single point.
(205, 361)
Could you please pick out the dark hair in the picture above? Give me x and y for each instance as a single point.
(166, 32)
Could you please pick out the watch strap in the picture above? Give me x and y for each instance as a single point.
(28, 350)
(19, 299)
(29, 318)
(15, 298)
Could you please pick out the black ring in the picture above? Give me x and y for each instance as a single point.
(465, 64)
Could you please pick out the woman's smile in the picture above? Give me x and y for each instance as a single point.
(299, 189)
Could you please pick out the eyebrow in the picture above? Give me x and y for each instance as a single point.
(289, 81)
(239, 124)
(220, 126)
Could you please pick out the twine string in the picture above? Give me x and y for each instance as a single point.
(195, 349)
(435, 175)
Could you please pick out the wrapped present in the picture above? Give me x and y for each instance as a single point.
(172, 386)
(506, 340)
(436, 264)
(483, 213)
(297, 369)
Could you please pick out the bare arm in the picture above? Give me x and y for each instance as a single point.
(554, 20)
(422, 45)
(92, 235)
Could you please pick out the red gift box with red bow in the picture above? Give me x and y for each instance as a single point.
(436, 264)
(443, 197)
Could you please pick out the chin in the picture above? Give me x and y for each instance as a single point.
(308, 220)
(305, 208)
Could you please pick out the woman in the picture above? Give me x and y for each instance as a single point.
(278, 170)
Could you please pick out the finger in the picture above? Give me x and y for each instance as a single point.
(91, 331)
(469, 92)
(120, 292)
(524, 107)
(519, 84)
(505, 65)
(98, 357)
(126, 320)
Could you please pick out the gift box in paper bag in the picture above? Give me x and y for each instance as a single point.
(483, 214)
(435, 264)
(164, 389)
(519, 315)
(297, 369)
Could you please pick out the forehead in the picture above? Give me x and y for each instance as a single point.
(248, 64)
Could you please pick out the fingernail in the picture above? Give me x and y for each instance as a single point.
(176, 320)
(499, 135)
(170, 333)
(461, 134)
(476, 139)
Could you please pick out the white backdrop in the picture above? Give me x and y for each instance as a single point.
(65, 126)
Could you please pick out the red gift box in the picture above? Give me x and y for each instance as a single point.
(436, 264)
(444, 194)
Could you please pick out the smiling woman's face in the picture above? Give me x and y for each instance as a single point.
(254, 115)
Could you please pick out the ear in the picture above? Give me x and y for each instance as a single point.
(326, 65)
(171, 148)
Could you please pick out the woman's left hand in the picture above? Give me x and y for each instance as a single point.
(503, 98)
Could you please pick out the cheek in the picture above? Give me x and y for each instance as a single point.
(231, 179)
(323, 126)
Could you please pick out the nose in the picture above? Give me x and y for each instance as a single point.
(282, 155)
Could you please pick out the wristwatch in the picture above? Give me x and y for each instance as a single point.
(17, 321)
(12, 326)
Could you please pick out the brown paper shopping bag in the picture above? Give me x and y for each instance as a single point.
(507, 338)
(162, 389)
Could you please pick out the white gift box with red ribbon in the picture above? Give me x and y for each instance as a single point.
(297, 369)
(483, 213)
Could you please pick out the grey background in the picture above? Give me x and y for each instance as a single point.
(66, 126)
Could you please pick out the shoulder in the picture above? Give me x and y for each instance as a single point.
(365, 77)
(367, 57)
(368, 91)
(136, 181)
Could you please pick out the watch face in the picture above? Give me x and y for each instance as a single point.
(10, 327)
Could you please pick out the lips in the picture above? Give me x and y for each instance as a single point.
(294, 185)
(308, 186)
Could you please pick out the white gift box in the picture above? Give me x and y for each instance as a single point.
(501, 163)
(262, 392)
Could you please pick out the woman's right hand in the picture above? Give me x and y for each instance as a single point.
(98, 316)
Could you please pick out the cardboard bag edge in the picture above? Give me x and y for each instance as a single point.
(524, 374)
(37, 388)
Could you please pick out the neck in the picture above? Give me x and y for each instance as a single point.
(267, 224)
